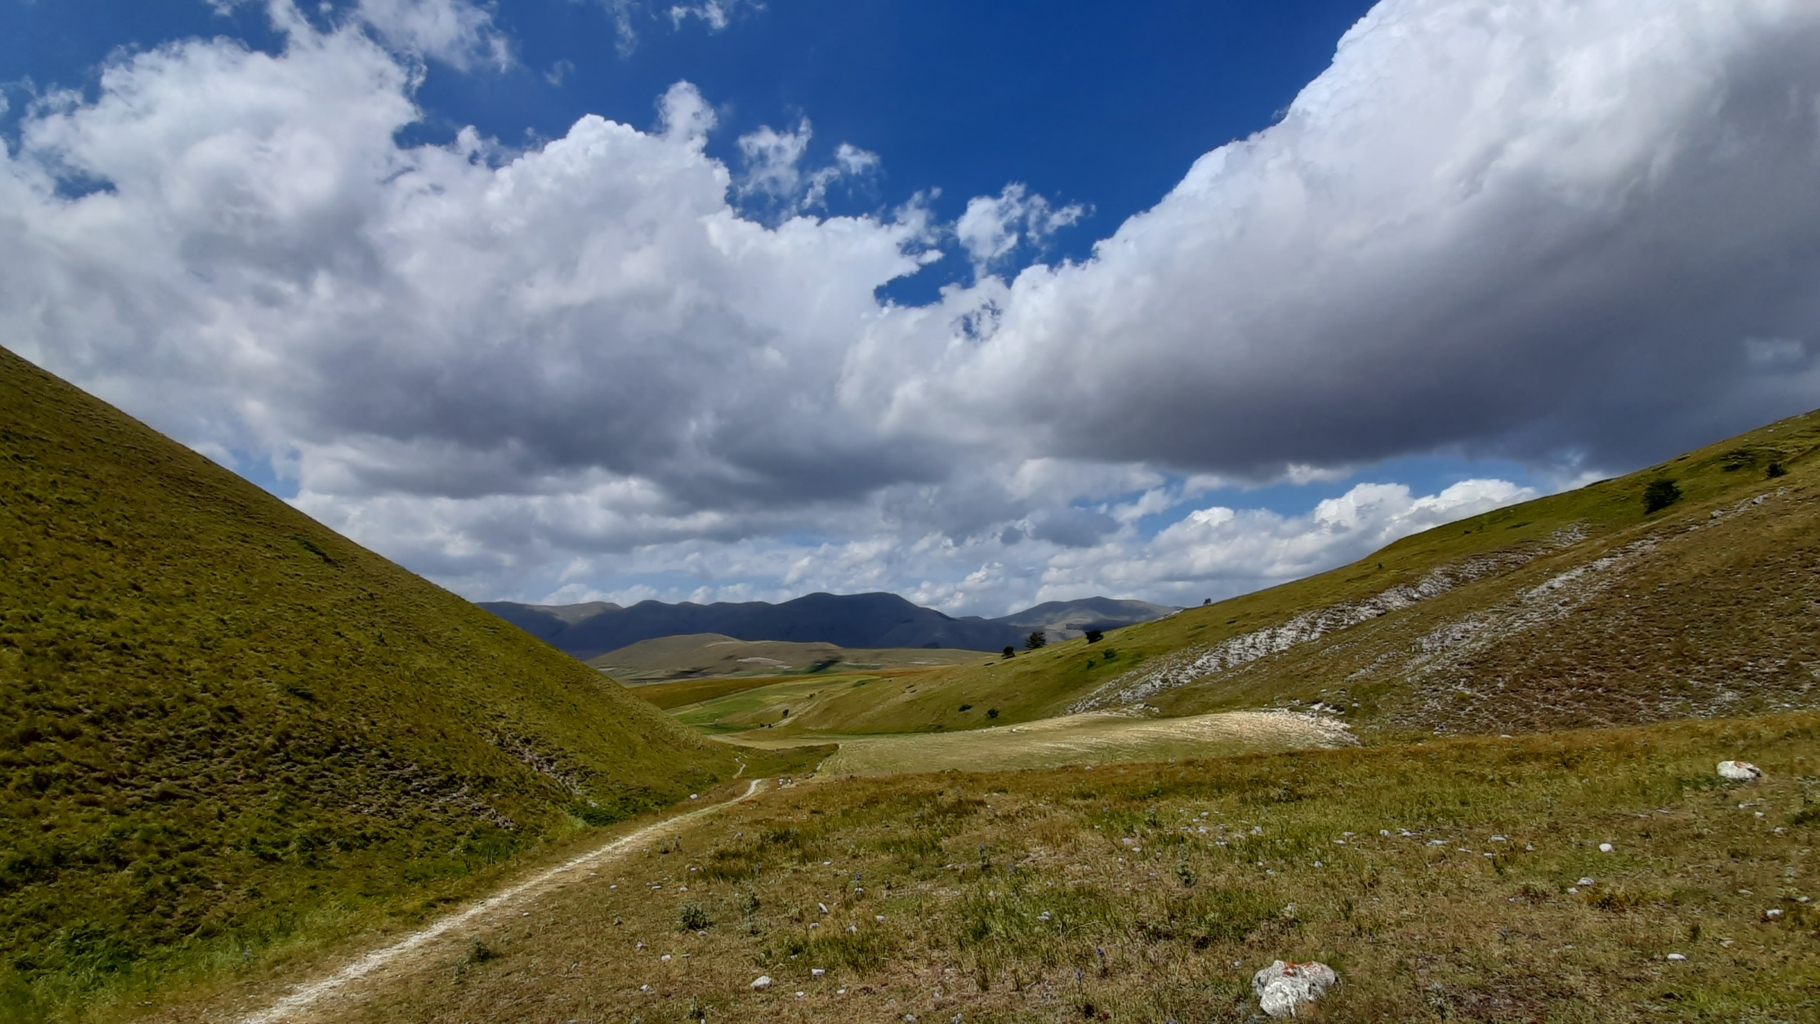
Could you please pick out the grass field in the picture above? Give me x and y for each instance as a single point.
(1442, 879)
(735, 705)
(713, 656)
(1093, 738)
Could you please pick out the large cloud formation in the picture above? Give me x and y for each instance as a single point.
(1532, 228)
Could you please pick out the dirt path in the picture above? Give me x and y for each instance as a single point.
(317, 999)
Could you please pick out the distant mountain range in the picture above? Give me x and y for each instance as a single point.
(845, 620)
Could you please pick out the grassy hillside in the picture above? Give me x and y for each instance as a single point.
(223, 726)
(1443, 880)
(713, 655)
(1579, 609)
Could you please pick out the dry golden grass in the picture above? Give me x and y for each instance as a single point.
(1439, 878)
(1093, 738)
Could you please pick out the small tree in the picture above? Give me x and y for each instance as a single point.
(1659, 495)
(1010, 651)
(1205, 601)
(1035, 640)
(992, 712)
(1094, 636)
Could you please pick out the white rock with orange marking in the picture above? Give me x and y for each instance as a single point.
(1739, 771)
(1284, 988)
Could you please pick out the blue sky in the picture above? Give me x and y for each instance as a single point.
(1080, 101)
(986, 304)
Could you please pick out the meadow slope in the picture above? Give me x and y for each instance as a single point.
(223, 727)
(1579, 609)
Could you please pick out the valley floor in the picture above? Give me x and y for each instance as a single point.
(1448, 879)
(1092, 738)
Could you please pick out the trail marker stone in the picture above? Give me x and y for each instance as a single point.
(1739, 771)
(1284, 988)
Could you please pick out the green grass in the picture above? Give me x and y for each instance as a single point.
(1440, 878)
(225, 728)
(723, 706)
(696, 656)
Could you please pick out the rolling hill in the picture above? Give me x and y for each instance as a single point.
(1067, 620)
(713, 656)
(223, 726)
(1581, 609)
(857, 621)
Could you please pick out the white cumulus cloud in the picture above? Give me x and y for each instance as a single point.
(1528, 228)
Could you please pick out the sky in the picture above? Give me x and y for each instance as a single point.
(983, 304)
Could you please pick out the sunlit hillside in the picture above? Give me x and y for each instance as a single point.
(223, 727)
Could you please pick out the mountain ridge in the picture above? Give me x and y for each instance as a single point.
(867, 621)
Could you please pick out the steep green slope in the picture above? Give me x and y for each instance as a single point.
(220, 722)
(1579, 609)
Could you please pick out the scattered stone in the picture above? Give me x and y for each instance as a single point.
(816, 972)
(760, 983)
(1771, 914)
(1284, 988)
(1584, 882)
(1604, 847)
(1677, 956)
(1739, 771)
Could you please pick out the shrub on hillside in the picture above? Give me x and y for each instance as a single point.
(1094, 636)
(1036, 640)
(1660, 494)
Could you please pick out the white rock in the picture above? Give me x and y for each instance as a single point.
(1739, 771)
(1604, 847)
(760, 983)
(1283, 988)
(816, 972)
(1771, 914)
(1677, 956)
(1584, 881)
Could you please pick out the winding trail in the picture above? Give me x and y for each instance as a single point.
(306, 998)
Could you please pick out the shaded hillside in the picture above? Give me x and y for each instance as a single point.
(711, 655)
(845, 620)
(1579, 609)
(220, 721)
(546, 621)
